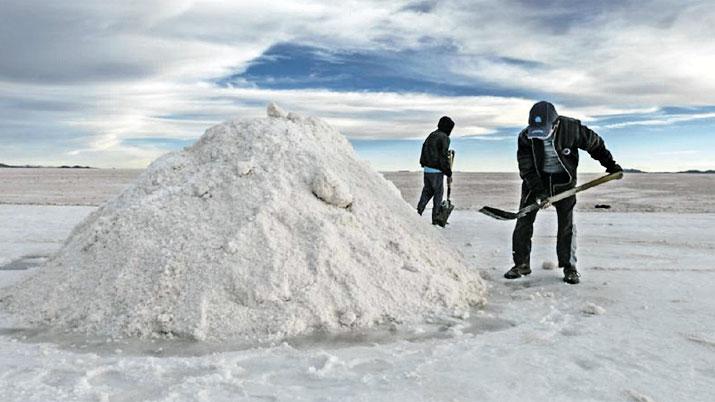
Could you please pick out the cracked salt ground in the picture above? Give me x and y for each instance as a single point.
(654, 342)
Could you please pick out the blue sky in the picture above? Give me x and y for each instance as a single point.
(117, 85)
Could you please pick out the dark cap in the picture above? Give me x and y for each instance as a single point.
(541, 119)
(445, 125)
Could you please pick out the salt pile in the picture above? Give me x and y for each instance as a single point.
(262, 229)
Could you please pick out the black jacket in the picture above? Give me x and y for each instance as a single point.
(435, 152)
(570, 136)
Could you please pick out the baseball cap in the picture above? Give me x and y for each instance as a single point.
(542, 117)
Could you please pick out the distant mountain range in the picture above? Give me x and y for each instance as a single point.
(684, 171)
(711, 171)
(2, 165)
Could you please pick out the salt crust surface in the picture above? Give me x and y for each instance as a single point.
(262, 229)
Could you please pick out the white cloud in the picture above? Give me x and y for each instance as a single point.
(184, 111)
(108, 71)
(663, 121)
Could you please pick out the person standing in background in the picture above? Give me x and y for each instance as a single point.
(435, 162)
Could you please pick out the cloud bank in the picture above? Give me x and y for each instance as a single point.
(117, 83)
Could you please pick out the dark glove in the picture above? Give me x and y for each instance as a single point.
(541, 194)
(448, 172)
(541, 198)
(614, 168)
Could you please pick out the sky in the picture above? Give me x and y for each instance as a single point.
(116, 84)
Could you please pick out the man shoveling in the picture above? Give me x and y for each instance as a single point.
(548, 160)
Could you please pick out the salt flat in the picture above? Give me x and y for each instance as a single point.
(639, 327)
(653, 192)
(48, 186)
(636, 192)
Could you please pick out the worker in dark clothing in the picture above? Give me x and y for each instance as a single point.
(435, 162)
(548, 160)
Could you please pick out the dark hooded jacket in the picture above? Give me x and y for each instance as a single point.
(569, 137)
(435, 149)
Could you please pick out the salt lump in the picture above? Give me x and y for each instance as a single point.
(262, 229)
(330, 189)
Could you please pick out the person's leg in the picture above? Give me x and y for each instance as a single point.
(566, 235)
(566, 239)
(427, 193)
(438, 188)
(524, 229)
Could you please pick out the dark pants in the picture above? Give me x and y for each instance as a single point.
(566, 235)
(433, 188)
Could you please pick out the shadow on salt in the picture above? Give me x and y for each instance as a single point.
(481, 321)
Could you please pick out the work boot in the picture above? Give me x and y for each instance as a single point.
(517, 271)
(571, 276)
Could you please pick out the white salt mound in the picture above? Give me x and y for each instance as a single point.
(262, 229)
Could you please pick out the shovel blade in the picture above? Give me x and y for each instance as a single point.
(499, 214)
(445, 210)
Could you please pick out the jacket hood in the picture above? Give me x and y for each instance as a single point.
(445, 125)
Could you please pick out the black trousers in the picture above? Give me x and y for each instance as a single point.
(433, 189)
(566, 233)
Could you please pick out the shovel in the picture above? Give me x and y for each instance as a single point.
(506, 215)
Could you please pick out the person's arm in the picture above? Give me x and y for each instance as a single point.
(444, 156)
(527, 167)
(423, 159)
(592, 143)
